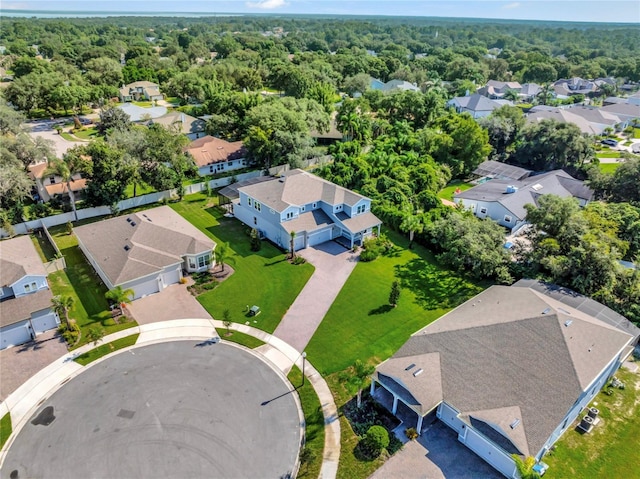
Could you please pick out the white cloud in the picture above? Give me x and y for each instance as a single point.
(512, 5)
(267, 4)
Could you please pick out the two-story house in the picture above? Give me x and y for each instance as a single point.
(140, 90)
(313, 209)
(25, 297)
(213, 155)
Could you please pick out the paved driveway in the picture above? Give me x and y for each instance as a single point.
(436, 455)
(44, 129)
(170, 410)
(19, 363)
(174, 302)
(333, 265)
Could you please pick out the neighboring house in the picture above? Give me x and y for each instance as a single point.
(192, 128)
(314, 209)
(137, 113)
(529, 91)
(614, 100)
(391, 85)
(503, 200)
(140, 90)
(563, 115)
(564, 88)
(510, 370)
(496, 89)
(598, 119)
(476, 105)
(629, 112)
(50, 186)
(145, 251)
(634, 99)
(496, 170)
(328, 137)
(213, 155)
(25, 297)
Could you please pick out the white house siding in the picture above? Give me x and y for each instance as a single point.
(230, 165)
(273, 232)
(494, 210)
(171, 275)
(14, 334)
(19, 286)
(44, 320)
(484, 448)
(449, 416)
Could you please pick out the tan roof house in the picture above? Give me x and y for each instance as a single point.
(145, 251)
(214, 155)
(52, 185)
(140, 90)
(25, 297)
(509, 370)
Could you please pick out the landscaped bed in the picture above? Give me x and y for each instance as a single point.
(611, 448)
(264, 278)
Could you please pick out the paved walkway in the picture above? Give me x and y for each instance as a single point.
(23, 403)
(333, 266)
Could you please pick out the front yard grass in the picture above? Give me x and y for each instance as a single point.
(87, 134)
(611, 448)
(608, 167)
(247, 340)
(264, 278)
(447, 192)
(314, 423)
(5, 429)
(608, 154)
(80, 281)
(104, 349)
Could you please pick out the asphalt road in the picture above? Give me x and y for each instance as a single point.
(167, 410)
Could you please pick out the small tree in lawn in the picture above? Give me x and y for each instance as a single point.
(356, 378)
(226, 320)
(222, 254)
(255, 240)
(95, 334)
(120, 296)
(293, 243)
(61, 305)
(394, 295)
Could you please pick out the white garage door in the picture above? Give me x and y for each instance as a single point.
(14, 334)
(321, 237)
(44, 323)
(489, 453)
(147, 288)
(170, 277)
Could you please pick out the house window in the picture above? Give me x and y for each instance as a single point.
(361, 209)
(507, 219)
(204, 260)
(52, 179)
(230, 163)
(249, 201)
(339, 208)
(211, 169)
(290, 215)
(192, 263)
(220, 166)
(255, 220)
(302, 208)
(315, 205)
(27, 288)
(483, 211)
(257, 206)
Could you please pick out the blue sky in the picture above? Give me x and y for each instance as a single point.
(564, 10)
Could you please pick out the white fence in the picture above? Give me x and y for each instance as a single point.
(56, 265)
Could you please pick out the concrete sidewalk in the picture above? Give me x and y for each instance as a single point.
(333, 266)
(23, 403)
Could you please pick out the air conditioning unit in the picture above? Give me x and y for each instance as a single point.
(593, 412)
(586, 423)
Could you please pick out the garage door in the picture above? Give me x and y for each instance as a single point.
(147, 288)
(489, 453)
(171, 277)
(44, 323)
(14, 334)
(320, 237)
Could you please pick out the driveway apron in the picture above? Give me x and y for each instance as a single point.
(333, 266)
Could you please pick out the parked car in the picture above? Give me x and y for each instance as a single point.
(86, 121)
(609, 142)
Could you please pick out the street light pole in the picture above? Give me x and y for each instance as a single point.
(304, 357)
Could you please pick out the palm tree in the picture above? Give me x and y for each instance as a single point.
(525, 467)
(120, 296)
(411, 224)
(511, 94)
(358, 378)
(61, 305)
(72, 163)
(293, 241)
(222, 254)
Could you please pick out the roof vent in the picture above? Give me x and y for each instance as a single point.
(568, 322)
(562, 310)
(546, 311)
(128, 220)
(537, 187)
(418, 372)
(511, 189)
(133, 223)
(126, 247)
(514, 424)
(411, 366)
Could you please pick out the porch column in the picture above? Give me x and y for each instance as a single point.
(372, 389)
(394, 409)
(419, 428)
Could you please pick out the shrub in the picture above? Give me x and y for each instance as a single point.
(70, 334)
(411, 433)
(299, 260)
(376, 439)
(256, 244)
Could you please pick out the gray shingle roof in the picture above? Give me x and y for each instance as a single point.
(298, 188)
(18, 258)
(154, 239)
(513, 349)
(555, 182)
(359, 222)
(18, 309)
(476, 102)
(309, 222)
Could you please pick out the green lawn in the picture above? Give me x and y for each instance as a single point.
(314, 423)
(636, 132)
(88, 134)
(5, 429)
(43, 247)
(611, 448)
(141, 189)
(240, 338)
(447, 192)
(68, 136)
(608, 154)
(82, 283)
(264, 278)
(608, 167)
(361, 325)
(104, 349)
